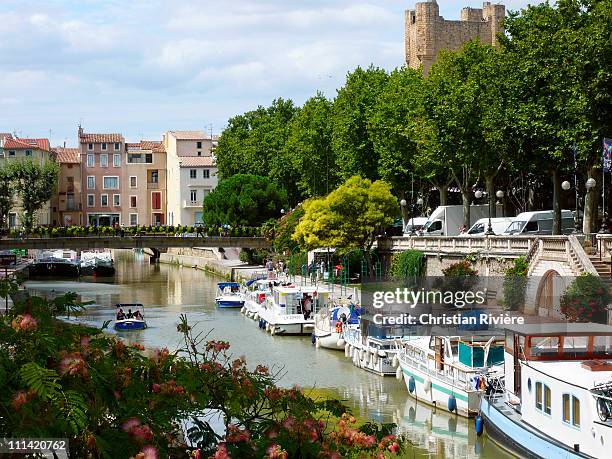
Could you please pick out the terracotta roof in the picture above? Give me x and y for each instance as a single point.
(21, 144)
(190, 135)
(153, 145)
(101, 138)
(68, 155)
(196, 161)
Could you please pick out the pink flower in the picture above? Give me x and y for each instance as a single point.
(19, 399)
(394, 447)
(24, 323)
(142, 433)
(221, 452)
(128, 425)
(149, 452)
(276, 452)
(73, 364)
(84, 341)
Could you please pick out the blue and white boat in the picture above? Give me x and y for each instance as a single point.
(229, 295)
(332, 322)
(130, 316)
(556, 400)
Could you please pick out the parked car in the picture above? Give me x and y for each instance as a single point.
(540, 222)
(498, 225)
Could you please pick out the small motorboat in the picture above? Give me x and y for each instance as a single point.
(130, 316)
(332, 322)
(229, 295)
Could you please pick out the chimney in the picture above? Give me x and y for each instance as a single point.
(80, 131)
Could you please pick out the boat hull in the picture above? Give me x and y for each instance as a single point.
(104, 271)
(329, 340)
(228, 304)
(51, 269)
(520, 439)
(436, 392)
(367, 357)
(129, 325)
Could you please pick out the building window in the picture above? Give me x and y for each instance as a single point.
(90, 146)
(139, 158)
(116, 200)
(90, 161)
(542, 398)
(194, 196)
(116, 160)
(154, 176)
(156, 200)
(91, 182)
(103, 146)
(199, 153)
(199, 144)
(28, 153)
(111, 183)
(193, 173)
(11, 153)
(104, 160)
(206, 173)
(117, 146)
(91, 200)
(133, 181)
(133, 202)
(571, 410)
(133, 219)
(104, 200)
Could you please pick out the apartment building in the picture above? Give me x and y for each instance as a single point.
(191, 174)
(144, 185)
(39, 151)
(69, 198)
(102, 161)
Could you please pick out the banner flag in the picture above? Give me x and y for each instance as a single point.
(607, 155)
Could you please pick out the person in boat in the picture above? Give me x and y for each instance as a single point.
(138, 315)
(306, 306)
(120, 314)
(130, 314)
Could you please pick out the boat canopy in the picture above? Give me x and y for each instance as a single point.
(129, 305)
(223, 285)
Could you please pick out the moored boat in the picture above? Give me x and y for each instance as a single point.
(332, 322)
(255, 296)
(556, 400)
(449, 372)
(97, 263)
(229, 295)
(54, 267)
(372, 347)
(130, 316)
(290, 309)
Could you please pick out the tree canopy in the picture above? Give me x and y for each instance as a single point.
(244, 199)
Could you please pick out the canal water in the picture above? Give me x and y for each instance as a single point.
(167, 291)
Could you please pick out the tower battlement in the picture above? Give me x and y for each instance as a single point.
(426, 32)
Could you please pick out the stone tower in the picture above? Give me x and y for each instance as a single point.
(426, 32)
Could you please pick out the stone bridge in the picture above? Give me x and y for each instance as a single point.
(155, 243)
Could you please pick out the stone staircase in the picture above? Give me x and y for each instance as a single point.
(603, 267)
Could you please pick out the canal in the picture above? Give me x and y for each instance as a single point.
(168, 291)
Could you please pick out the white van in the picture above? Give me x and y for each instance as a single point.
(540, 223)
(498, 225)
(416, 223)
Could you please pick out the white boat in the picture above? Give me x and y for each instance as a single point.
(229, 295)
(556, 401)
(332, 322)
(372, 347)
(290, 309)
(255, 296)
(450, 373)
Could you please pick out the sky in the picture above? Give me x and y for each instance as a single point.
(142, 67)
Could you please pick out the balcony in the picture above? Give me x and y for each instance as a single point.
(192, 204)
(152, 185)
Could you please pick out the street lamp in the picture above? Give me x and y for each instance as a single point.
(566, 185)
(403, 203)
(500, 195)
(479, 194)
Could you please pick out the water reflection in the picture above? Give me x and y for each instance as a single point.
(168, 291)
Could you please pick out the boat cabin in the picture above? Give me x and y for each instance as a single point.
(298, 300)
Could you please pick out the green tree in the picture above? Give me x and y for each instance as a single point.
(351, 139)
(254, 143)
(244, 199)
(559, 56)
(391, 127)
(6, 193)
(36, 184)
(309, 146)
(283, 239)
(349, 217)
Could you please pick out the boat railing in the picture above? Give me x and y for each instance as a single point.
(450, 372)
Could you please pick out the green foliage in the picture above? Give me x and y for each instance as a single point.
(586, 300)
(35, 185)
(347, 218)
(351, 139)
(255, 257)
(283, 239)
(244, 199)
(407, 264)
(460, 277)
(515, 282)
(6, 192)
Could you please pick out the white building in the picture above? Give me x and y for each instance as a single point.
(191, 174)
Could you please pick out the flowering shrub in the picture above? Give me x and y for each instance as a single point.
(122, 401)
(586, 300)
(460, 276)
